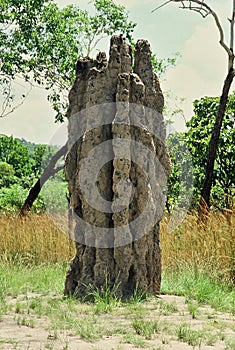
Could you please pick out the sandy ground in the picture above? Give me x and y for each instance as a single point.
(209, 329)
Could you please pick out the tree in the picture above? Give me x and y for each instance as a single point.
(197, 139)
(205, 10)
(7, 174)
(180, 185)
(40, 43)
(22, 162)
(50, 170)
(14, 153)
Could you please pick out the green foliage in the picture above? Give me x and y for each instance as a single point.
(108, 19)
(12, 198)
(180, 182)
(16, 155)
(6, 169)
(197, 138)
(19, 170)
(160, 65)
(7, 176)
(26, 159)
(42, 42)
(195, 143)
(41, 157)
(53, 195)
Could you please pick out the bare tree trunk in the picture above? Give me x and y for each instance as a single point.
(117, 248)
(48, 172)
(213, 147)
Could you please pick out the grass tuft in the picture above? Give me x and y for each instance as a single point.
(145, 328)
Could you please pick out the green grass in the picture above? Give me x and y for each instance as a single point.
(193, 309)
(167, 309)
(145, 328)
(104, 300)
(187, 335)
(23, 321)
(136, 340)
(49, 279)
(39, 293)
(198, 286)
(44, 278)
(89, 329)
(230, 344)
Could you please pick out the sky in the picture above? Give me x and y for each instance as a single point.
(200, 70)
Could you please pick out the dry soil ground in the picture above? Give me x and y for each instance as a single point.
(170, 322)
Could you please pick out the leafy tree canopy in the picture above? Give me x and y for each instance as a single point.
(16, 155)
(41, 42)
(22, 161)
(7, 174)
(196, 140)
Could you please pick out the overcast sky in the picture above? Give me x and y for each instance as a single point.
(199, 72)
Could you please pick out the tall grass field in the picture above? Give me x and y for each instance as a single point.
(196, 307)
(210, 248)
(197, 262)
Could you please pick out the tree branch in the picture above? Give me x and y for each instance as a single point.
(206, 10)
(157, 8)
(6, 103)
(232, 20)
(48, 172)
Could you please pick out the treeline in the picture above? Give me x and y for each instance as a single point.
(189, 151)
(22, 162)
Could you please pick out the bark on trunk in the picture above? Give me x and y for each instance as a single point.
(123, 257)
(48, 172)
(204, 204)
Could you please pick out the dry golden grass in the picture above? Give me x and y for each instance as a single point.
(33, 239)
(36, 239)
(211, 247)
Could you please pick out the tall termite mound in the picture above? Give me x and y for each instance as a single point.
(115, 120)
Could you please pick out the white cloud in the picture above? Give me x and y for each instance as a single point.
(201, 69)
